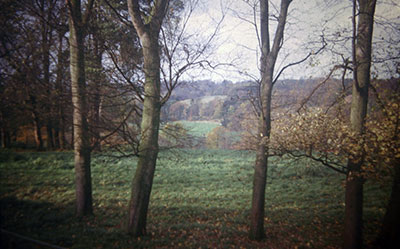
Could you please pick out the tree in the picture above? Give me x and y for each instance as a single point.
(365, 145)
(45, 11)
(362, 44)
(219, 138)
(21, 42)
(77, 26)
(62, 102)
(268, 59)
(147, 22)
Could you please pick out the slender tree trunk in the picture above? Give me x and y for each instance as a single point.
(36, 124)
(268, 60)
(261, 164)
(50, 136)
(5, 138)
(56, 139)
(46, 41)
(148, 148)
(354, 183)
(60, 120)
(62, 136)
(38, 133)
(8, 139)
(96, 102)
(81, 133)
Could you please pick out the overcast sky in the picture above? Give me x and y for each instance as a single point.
(308, 20)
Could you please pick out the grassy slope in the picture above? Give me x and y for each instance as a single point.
(200, 199)
(199, 128)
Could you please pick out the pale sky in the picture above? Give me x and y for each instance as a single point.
(237, 38)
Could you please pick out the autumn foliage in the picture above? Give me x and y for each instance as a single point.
(325, 136)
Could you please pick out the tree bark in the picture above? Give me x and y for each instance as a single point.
(50, 134)
(46, 41)
(81, 133)
(5, 138)
(62, 136)
(56, 139)
(60, 92)
(96, 93)
(148, 32)
(60, 126)
(268, 60)
(353, 223)
(36, 123)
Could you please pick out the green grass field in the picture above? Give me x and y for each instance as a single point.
(200, 199)
(199, 128)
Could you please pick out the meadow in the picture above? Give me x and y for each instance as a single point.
(199, 128)
(200, 199)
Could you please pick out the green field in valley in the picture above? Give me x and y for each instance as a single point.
(199, 128)
(200, 199)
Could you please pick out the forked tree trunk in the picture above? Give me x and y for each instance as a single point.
(148, 29)
(353, 223)
(268, 60)
(148, 149)
(81, 134)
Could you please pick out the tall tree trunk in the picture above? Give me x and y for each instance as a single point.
(260, 170)
(148, 149)
(354, 183)
(81, 133)
(389, 236)
(268, 60)
(46, 41)
(60, 120)
(96, 101)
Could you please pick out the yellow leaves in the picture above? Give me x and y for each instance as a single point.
(298, 131)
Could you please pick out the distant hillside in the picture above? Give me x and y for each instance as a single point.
(223, 115)
(206, 100)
